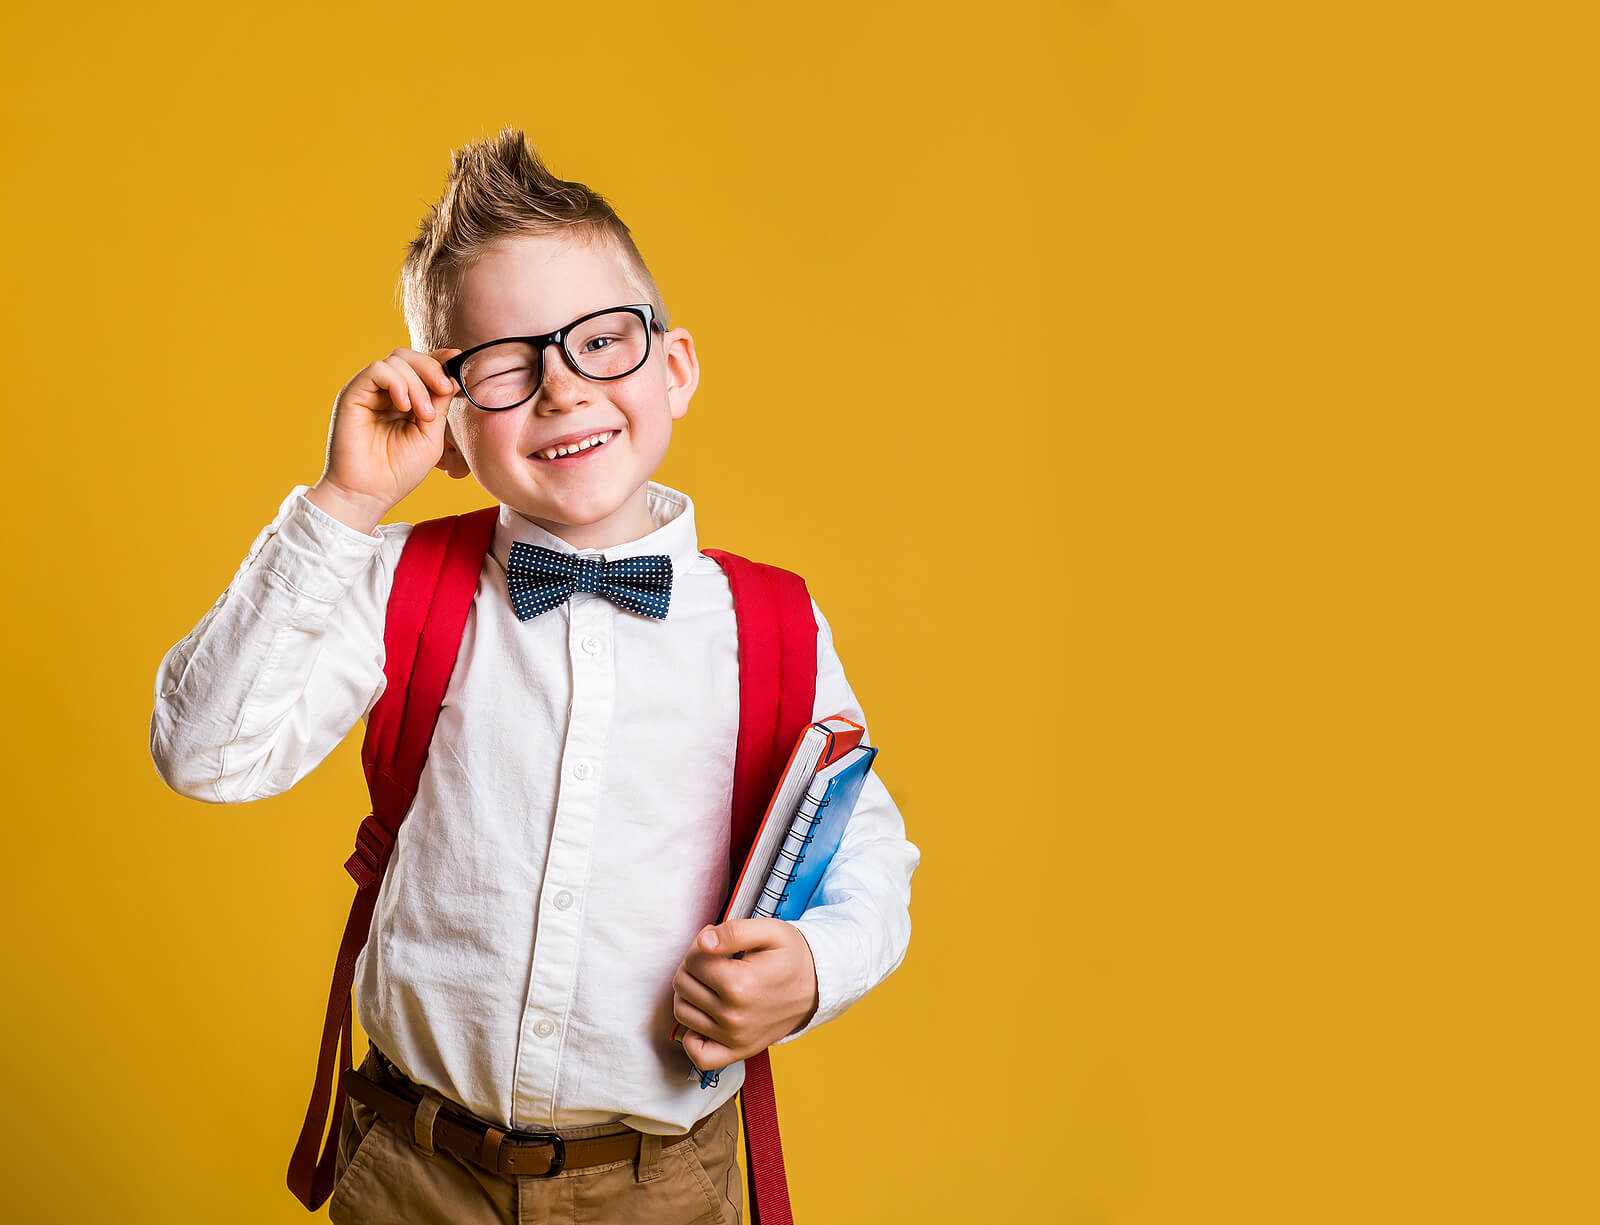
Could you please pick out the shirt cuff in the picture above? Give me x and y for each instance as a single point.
(313, 552)
(834, 952)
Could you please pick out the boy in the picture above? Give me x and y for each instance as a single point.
(550, 906)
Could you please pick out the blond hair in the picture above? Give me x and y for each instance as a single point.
(498, 187)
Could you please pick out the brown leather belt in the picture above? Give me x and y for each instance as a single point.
(513, 1153)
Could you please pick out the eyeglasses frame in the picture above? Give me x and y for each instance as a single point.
(452, 366)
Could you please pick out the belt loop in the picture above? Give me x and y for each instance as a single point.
(422, 1122)
(649, 1164)
(492, 1136)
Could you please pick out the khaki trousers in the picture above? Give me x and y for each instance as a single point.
(384, 1177)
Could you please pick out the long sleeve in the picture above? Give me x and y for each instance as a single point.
(859, 922)
(283, 665)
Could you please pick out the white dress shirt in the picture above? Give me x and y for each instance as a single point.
(569, 837)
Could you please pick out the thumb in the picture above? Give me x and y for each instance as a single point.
(736, 935)
(706, 1055)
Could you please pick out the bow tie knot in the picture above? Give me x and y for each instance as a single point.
(538, 579)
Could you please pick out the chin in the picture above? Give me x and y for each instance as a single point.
(581, 512)
(571, 511)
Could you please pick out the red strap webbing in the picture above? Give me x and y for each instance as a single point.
(777, 684)
(433, 588)
(432, 591)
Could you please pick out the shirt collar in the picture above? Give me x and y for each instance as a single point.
(674, 534)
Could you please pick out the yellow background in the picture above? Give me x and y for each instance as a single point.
(1201, 397)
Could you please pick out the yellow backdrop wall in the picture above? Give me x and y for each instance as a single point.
(1198, 399)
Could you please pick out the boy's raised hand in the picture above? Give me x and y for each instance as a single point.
(733, 1008)
(388, 429)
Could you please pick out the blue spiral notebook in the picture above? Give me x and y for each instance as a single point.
(814, 835)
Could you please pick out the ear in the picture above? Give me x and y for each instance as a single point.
(452, 462)
(683, 370)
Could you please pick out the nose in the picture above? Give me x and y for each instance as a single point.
(560, 386)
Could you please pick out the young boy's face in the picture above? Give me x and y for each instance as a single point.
(528, 286)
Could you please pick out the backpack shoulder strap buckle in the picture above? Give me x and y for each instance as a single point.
(374, 842)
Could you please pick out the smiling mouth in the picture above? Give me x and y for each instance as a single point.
(575, 453)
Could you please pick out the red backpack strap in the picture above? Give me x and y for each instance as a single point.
(777, 683)
(434, 584)
(777, 694)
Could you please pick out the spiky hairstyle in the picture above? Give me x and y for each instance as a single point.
(499, 187)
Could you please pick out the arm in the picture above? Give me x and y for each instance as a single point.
(801, 974)
(858, 925)
(283, 665)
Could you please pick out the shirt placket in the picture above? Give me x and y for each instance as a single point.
(547, 1009)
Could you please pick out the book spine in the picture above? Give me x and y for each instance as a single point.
(790, 856)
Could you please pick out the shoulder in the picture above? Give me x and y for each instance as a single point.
(734, 565)
(770, 571)
(474, 529)
(727, 559)
(419, 555)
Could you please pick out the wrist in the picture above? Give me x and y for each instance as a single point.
(354, 510)
(815, 995)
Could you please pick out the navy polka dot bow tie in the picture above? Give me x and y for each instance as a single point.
(540, 578)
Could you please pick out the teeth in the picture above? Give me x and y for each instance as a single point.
(584, 444)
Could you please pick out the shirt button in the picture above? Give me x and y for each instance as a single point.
(582, 770)
(544, 1028)
(563, 900)
(592, 645)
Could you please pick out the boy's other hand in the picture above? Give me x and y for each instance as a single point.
(733, 1007)
(388, 429)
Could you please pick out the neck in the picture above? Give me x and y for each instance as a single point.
(624, 525)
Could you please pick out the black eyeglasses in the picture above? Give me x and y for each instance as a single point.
(604, 344)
